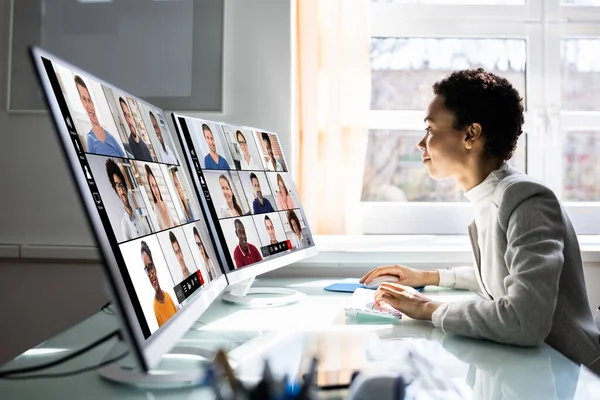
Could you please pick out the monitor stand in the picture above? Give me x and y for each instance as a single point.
(183, 366)
(242, 294)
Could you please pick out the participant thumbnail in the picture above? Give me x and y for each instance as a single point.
(151, 279)
(258, 192)
(159, 134)
(210, 144)
(243, 148)
(123, 198)
(273, 159)
(270, 228)
(296, 230)
(242, 240)
(178, 185)
(227, 194)
(150, 177)
(126, 114)
(90, 113)
(177, 253)
(204, 253)
(285, 191)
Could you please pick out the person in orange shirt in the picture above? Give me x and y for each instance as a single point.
(164, 308)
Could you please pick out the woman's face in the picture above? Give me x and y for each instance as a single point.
(178, 187)
(281, 186)
(154, 187)
(295, 227)
(243, 145)
(226, 190)
(444, 148)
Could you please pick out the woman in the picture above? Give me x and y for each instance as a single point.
(284, 200)
(297, 239)
(210, 267)
(231, 208)
(528, 271)
(187, 209)
(247, 161)
(162, 211)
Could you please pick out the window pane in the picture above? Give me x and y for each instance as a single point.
(404, 69)
(580, 74)
(394, 171)
(580, 2)
(476, 2)
(581, 161)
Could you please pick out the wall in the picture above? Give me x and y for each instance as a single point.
(38, 202)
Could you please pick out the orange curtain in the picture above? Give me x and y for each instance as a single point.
(334, 88)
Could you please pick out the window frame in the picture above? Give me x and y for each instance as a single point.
(542, 24)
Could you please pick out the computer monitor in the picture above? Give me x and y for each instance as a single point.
(248, 191)
(159, 253)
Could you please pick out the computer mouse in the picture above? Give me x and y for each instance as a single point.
(374, 284)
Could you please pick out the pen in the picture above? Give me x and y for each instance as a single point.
(221, 359)
(308, 382)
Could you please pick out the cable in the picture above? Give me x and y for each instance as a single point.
(68, 373)
(62, 360)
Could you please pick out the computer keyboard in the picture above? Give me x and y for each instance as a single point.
(363, 302)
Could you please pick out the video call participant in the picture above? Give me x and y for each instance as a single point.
(167, 155)
(260, 204)
(273, 164)
(210, 267)
(284, 200)
(247, 161)
(132, 225)
(244, 253)
(179, 255)
(163, 213)
(231, 208)
(212, 160)
(139, 149)
(298, 240)
(270, 230)
(187, 208)
(164, 308)
(99, 140)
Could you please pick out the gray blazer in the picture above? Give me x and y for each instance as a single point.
(534, 275)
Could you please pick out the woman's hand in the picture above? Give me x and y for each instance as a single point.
(406, 300)
(406, 276)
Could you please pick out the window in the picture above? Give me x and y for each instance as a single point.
(546, 49)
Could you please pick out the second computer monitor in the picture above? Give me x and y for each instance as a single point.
(250, 194)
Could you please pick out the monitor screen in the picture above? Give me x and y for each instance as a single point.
(144, 210)
(248, 191)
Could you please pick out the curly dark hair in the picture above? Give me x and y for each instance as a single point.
(291, 216)
(477, 96)
(113, 169)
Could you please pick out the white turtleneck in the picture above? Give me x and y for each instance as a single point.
(481, 197)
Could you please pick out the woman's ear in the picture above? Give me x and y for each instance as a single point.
(473, 133)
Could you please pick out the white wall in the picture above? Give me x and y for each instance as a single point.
(38, 202)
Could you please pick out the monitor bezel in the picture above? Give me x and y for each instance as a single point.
(147, 352)
(251, 271)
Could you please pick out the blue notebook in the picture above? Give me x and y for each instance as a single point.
(349, 285)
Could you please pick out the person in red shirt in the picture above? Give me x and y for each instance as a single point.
(244, 253)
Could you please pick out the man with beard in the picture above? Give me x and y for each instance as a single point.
(168, 156)
(132, 224)
(244, 253)
(212, 160)
(260, 204)
(139, 149)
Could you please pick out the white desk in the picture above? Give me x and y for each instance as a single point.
(317, 326)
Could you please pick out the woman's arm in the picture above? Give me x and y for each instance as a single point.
(534, 258)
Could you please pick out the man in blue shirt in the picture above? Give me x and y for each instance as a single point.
(212, 160)
(99, 141)
(260, 204)
(139, 149)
